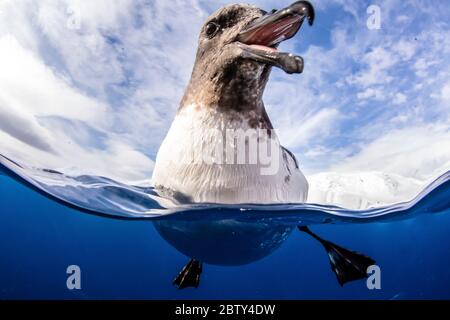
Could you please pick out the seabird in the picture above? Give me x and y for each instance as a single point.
(199, 158)
(221, 146)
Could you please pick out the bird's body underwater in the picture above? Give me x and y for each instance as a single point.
(222, 147)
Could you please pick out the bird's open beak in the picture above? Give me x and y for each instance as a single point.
(262, 36)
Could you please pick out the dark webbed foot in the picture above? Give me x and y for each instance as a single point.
(347, 265)
(189, 276)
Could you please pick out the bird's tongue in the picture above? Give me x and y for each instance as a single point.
(264, 48)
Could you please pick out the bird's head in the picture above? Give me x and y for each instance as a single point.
(237, 49)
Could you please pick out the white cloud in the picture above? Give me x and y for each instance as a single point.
(23, 126)
(378, 63)
(317, 124)
(403, 18)
(406, 49)
(445, 92)
(393, 168)
(40, 91)
(420, 152)
(87, 94)
(371, 93)
(423, 65)
(32, 100)
(400, 98)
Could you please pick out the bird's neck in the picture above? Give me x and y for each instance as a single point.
(233, 88)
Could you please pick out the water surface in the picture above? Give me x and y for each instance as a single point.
(130, 242)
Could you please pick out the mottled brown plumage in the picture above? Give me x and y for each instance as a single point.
(222, 78)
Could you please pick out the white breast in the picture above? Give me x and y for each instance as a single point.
(201, 158)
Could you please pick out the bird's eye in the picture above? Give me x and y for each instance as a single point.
(211, 29)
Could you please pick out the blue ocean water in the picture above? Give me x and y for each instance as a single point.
(130, 243)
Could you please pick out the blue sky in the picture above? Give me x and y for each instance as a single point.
(92, 86)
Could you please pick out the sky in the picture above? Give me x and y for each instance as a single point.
(92, 86)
